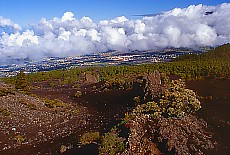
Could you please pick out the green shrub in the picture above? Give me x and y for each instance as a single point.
(169, 118)
(137, 100)
(20, 82)
(78, 94)
(59, 103)
(32, 106)
(4, 112)
(89, 137)
(19, 139)
(4, 92)
(33, 95)
(22, 101)
(74, 112)
(53, 103)
(49, 103)
(177, 101)
(111, 143)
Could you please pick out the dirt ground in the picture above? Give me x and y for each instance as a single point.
(54, 130)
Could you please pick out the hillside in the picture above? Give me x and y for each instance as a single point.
(28, 121)
(131, 109)
(212, 64)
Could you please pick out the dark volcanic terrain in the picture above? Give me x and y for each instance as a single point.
(30, 126)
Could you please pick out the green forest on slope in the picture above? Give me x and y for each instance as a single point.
(163, 109)
(212, 64)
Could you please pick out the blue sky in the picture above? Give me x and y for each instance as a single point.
(72, 34)
(26, 12)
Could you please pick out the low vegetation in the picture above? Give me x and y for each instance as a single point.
(163, 115)
(4, 112)
(53, 103)
(111, 143)
(89, 137)
(163, 118)
(19, 139)
(29, 120)
(20, 82)
(5, 91)
(31, 106)
(168, 118)
(212, 64)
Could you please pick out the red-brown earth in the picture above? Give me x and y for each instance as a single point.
(47, 130)
(215, 98)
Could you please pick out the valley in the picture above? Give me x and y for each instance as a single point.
(50, 112)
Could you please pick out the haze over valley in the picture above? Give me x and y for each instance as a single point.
(117, 77)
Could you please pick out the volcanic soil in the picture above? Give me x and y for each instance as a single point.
(45, 130)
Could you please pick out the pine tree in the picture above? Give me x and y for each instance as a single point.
(20, 82)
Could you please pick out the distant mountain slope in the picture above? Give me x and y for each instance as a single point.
(212, 64)
(220, 52)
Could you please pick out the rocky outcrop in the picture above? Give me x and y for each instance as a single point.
(90, 79)
(152, 86)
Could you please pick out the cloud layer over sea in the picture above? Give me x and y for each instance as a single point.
(67, 36)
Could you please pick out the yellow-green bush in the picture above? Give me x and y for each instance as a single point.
(89, 137)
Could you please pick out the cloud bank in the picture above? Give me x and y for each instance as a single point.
(68, 36)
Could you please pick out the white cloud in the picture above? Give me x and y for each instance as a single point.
(7, 26)
(66, 36)
(63, 34)
(139, 27)
(121, 19)
(205, 35)
(95, 36)
(68, 16)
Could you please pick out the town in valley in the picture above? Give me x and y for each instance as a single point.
(96, 59)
